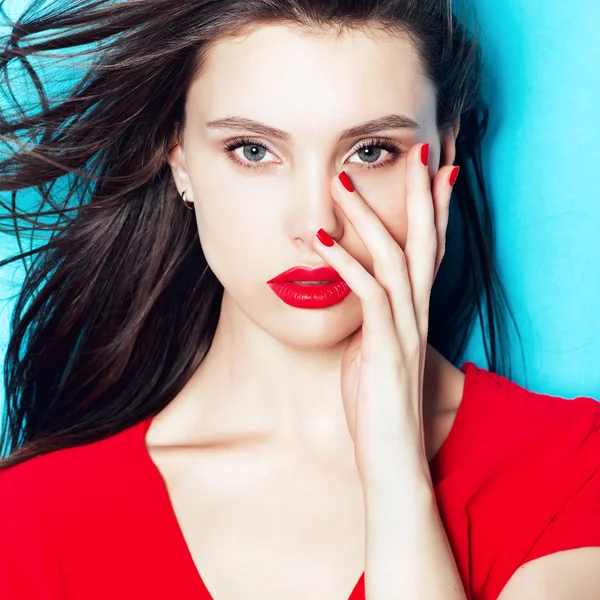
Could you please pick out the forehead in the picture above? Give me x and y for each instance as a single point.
(288, 77)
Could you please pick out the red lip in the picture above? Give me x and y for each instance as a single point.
(307, 274)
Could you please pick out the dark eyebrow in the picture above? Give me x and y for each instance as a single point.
(391, 121)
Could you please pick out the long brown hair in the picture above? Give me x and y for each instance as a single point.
(119, 307)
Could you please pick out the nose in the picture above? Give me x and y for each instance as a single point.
(312, 208)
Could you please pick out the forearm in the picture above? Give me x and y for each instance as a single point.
(408, 556)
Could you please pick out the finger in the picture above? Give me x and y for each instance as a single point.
(389, 263)
(421, 241)
(379, 334)
(442, 193)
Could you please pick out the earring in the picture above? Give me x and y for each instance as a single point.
(188, 204)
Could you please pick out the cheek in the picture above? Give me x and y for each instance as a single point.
(231, 224)
(228, 224)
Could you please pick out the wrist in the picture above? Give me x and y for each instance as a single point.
(398, 484)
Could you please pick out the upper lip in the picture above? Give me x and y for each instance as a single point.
(307, 274)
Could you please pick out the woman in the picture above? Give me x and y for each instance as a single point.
(251, 398)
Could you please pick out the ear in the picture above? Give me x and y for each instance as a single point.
(448, 144)
(176, 160)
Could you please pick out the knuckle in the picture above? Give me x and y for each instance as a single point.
(397, 258)
(413, 352)
(433, 243)
(377, 294)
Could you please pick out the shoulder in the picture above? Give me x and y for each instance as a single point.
(31, 509)
(508, 402)
(521, 477)
(443, 385)
(518, 440)
(60, 485)
(538, 429)
(574, 416)
(476, 413)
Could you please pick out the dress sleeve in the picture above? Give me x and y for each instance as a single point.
(576, 524)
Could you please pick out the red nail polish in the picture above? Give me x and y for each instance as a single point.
(454, 175)
(324, 238)
(425, 154)
(346, 181)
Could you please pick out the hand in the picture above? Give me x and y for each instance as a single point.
(384, 361)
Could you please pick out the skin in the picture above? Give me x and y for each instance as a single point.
(264, 409)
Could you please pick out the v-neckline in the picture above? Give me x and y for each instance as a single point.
(190, 568)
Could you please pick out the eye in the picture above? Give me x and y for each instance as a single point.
(253, 151)
(370, 150)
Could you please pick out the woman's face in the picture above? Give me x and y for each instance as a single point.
(259, 205)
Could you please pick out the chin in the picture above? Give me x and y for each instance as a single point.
(314, 329)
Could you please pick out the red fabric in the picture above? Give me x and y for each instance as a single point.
(518, 478)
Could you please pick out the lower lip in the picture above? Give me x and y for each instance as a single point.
(311, 295)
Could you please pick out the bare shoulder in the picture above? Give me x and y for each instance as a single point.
(443, 389)
(443, 385)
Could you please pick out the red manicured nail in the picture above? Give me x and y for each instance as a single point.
(346, 181)
(425, 154)
(454, 175)
(324, 237)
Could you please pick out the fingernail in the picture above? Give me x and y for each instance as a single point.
(324, 237)
(425, 154)
(346, 181)
(454, 175)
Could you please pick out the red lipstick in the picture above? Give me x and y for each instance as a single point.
(320, 288)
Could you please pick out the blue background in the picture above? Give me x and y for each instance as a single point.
(541, 158)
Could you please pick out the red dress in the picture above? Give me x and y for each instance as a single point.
(517, 478)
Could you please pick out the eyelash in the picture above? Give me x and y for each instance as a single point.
(393, 148)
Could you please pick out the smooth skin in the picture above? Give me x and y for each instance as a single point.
(256, 450)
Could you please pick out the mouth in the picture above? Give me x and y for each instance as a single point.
(311, 294)
(308, 276)
(312, 282)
